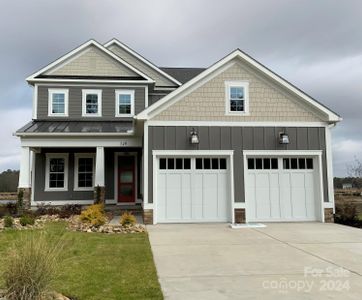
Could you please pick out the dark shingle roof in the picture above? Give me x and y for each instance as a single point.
(183, 74)
(76, 127)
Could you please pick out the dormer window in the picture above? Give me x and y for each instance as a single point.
(58, 102)
(236, 98)
(124, 103)
(91, 103)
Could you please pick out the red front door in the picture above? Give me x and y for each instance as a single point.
(126, 179)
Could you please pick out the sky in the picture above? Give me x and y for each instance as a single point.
(316, 45)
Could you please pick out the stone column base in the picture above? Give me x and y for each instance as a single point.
(328, 215)
(239, 215)
(99, 194)
(148, 216)
(26, 197)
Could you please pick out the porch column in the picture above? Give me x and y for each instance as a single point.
(99, 182)
(24, 186)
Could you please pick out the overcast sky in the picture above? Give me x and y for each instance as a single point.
(317, 45)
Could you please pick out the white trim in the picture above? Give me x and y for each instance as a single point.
(74, 134)
(190, 153)
(124, 92)
(33, 178)
(158, 106)
(101, 84)
(245, 86)
(329, 160)
(60, 202)
(48, 156)
(236, 124)
(97, 92)
(81, 142)
(76, 166)
(145, 166)
(145, 61)
(35, 102)
(316, 154)
(146, 96)
(116, 159)
(99, 81)
(50, 102)
(32, 78)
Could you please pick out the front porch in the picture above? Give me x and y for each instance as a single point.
(82, 175)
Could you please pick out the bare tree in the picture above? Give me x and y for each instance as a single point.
(355, 169)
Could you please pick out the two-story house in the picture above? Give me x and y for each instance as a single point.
(234, 142)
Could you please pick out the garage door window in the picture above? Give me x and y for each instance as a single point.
(262, 163)
(175, 163)
(298, 163)
(210, 163)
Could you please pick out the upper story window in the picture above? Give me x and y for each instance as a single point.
(58, 102)
(237, 98)
(124, 103)
(91, 103)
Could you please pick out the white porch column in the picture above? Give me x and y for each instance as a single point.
(24, 176)
(99, 178)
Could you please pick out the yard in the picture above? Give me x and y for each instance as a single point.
(100, 266)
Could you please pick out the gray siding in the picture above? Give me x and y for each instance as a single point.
(75, 102)
(39, 184)
(237, 139)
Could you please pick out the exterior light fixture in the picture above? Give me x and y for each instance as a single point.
(194, 138)
(283, 138)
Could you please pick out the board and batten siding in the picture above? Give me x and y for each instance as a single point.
(237, 139)
(75, 102)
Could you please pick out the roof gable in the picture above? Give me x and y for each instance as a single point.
(216, 69)
(160, 77)
(90, 60)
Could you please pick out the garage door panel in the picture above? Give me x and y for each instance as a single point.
(173, 184)
(210, 192)
(223, 195)
(186, 196)
(262, 196)
(275, 212)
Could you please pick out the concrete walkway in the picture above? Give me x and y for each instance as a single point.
(281, 261)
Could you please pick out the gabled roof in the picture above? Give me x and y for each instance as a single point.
(142, 59)
(183, 74)
(185, 89)
(36, 76)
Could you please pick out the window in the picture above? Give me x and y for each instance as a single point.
(298, 163)
(56, 172)
(211, 164)
(58, 102)
(262, 163)
(91, 103)
(124, 103)
(84, 172)
(237, 97)
(175, 163)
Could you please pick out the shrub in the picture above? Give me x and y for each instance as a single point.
(69, 210)
(127, 219)
(346, 213)
(46, 210)
(3, 211)
(8, 221)
(94, 215)
(31, 266)
(12, 208)
(27, 220)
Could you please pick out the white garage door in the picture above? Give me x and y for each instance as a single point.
(282, 189)
(193, 189)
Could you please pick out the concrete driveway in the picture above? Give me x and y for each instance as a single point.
(281, 261)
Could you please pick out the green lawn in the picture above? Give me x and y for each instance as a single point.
(100, 266)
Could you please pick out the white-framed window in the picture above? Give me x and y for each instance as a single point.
(237, 98)
(91, 103)
(84, 166)
(58, 102)
(56, 172)
(124, 103)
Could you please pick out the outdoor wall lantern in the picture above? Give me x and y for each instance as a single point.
(194, 139)
(283, 138)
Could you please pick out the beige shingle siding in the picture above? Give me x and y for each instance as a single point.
(156, 76)
(267, 101)
(93, 62)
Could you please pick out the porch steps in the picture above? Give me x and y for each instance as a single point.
(119, 209)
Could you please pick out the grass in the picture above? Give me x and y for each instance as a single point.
(97, 266)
